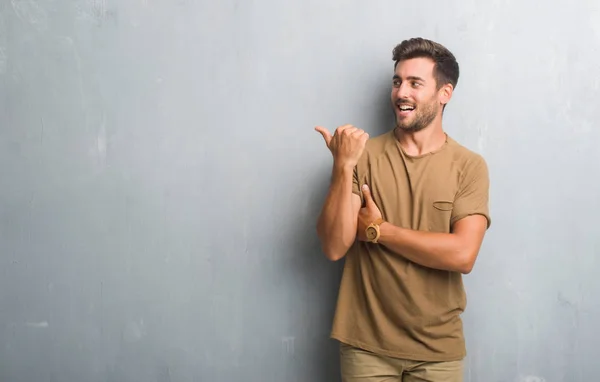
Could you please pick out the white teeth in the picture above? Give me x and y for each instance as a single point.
(406, 108)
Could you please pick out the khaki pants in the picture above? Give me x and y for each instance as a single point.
(359, 365)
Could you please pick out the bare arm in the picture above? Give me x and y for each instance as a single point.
(336, 225)
(456, 251)
(337, 222)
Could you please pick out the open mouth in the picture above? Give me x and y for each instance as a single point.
(405, 109)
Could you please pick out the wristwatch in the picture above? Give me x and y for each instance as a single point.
(372, 231)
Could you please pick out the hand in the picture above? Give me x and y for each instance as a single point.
(346, 145)
(367, 215)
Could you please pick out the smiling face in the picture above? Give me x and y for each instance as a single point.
(416, 97)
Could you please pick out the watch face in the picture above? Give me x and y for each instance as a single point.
(371, 233)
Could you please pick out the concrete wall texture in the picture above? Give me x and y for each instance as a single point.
(161, 179)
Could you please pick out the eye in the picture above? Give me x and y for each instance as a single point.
(415, 84)
(396, 83)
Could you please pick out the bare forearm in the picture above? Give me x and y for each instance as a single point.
(445, 251)
(336, 225)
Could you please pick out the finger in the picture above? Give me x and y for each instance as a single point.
(367, 194)
(325, 133)
(351, 131)
(343, 129)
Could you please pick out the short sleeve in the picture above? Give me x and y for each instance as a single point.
(472, 197)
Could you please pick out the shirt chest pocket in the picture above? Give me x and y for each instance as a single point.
(439, 213)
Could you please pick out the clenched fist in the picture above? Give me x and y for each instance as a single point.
(346, 145)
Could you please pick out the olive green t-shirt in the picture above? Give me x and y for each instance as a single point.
(386, 303)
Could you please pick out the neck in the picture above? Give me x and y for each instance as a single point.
(421, 142)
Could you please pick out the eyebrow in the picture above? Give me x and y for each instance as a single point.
(415, 78)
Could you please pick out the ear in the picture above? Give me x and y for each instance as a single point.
(445, 93)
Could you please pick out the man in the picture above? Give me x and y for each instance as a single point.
(408, 211)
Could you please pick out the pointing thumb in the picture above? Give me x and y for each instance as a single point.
(367, 194)
(325, 133)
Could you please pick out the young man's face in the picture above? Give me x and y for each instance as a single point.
(415, 97)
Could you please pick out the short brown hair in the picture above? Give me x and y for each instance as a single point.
(446, 68)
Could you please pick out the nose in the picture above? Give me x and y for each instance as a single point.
(402, 91)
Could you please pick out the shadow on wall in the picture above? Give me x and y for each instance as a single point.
(383, 113)
(320, 280)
